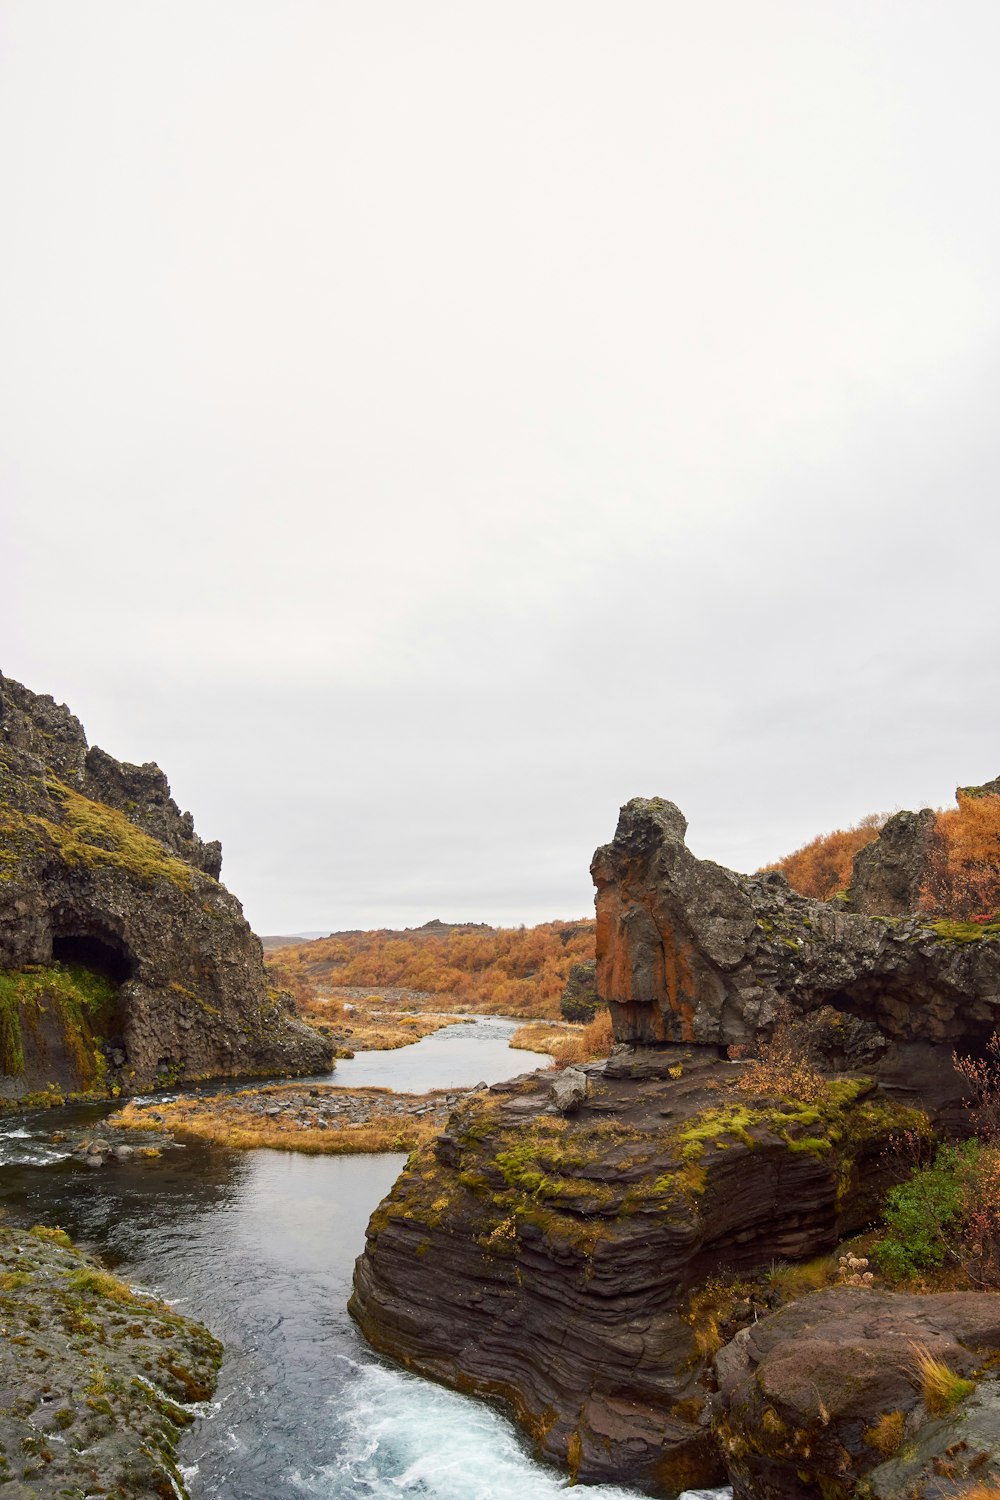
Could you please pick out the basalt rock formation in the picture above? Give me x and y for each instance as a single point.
(552, 1260)
(122, 958)
(688, 951)
(826, 1397)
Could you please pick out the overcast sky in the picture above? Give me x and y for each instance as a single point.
(426, 424)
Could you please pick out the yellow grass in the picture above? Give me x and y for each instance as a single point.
(809, 1276)
(372, 1027)
(940, 1385)
(226, 1120)
(540, 1036)
(886, 1434)
(586, 1043)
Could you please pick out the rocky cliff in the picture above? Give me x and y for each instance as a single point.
(566, 1245)
(549, 1250)
(122, 958)
(688, 951)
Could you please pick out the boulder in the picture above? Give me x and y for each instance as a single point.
(122, 957)
(889, 873)
(826, 1397)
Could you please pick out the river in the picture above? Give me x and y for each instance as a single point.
(260, 1246)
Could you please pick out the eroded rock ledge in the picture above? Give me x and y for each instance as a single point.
(545, 1251)
(121, 955)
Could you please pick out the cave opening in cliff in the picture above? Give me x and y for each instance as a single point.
(103, 953)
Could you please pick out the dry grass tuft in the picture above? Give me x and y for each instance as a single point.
(886, 1435)
(811, 1276)
(940, 1386)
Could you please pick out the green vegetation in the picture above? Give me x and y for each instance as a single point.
(922, 1215)
(95, 836)
(964, 932)
(84, 1002)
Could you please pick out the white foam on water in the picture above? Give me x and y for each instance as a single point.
(403, 1437)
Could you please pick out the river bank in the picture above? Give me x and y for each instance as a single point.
(260, 1246)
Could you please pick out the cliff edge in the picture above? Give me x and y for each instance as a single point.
(122, 958)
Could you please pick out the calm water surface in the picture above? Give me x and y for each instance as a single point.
(260, 1246)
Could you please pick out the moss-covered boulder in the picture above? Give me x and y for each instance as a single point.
(97, 1382)
(122, 957)
(559, 1264)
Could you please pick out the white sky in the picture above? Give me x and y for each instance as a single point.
(426, 425)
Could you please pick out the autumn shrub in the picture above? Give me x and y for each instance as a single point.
(783, 1063)
(518, 971)
(963, 876)
(585, 1043)
(822, 867)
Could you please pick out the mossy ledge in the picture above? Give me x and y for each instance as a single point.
(98, 1381)
(124, 963)
(550, 1261)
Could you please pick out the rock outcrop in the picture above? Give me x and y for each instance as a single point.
(121, 956)
(688, 951)
(890, 872)
(551, 1260)
(580, 1001)
(98, 1381)
(826, 1397)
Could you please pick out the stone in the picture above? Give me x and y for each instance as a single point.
(106, 885)
(801, 1394)
(890, 872)
(568, 1090)
(112, 1403)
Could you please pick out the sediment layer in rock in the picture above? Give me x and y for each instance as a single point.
(547, 1259)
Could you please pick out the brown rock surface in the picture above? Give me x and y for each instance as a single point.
(101, 874)
(803, 1392)
(548, 1261)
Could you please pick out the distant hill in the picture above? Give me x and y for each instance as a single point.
(511, 970)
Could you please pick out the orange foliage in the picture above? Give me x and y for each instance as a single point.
(507, 970)
(964, 876)
(823, 867)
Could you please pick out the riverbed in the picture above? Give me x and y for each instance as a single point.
(260, 1246)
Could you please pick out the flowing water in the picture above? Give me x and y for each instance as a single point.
(260, 1246)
